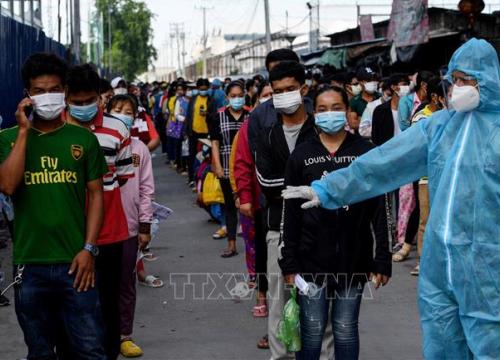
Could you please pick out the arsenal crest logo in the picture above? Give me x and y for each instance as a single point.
(76, 151)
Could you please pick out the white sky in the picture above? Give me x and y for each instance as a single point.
(241, 16)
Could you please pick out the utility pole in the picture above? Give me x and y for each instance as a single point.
(205, 38)
(318, 26)
(313, 25)
(184, 53)
(310, 7)
(110, 42)
(268, 26)
(76, 29)
(177, 33)
(59, 21)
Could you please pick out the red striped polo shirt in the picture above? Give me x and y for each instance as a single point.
(114, 139)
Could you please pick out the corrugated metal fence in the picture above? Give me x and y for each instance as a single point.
(17, 42)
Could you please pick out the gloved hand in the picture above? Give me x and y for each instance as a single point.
(302, 192)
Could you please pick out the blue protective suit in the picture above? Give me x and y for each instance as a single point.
(459, 283)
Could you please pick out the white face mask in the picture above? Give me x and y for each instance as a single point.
(288, 103)
(264, 99)
(120, 91)
(403, 90)
(464, 98)
(48, 106)
(371, 87)
(356, 89)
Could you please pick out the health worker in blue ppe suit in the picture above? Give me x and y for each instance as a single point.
(459, 150)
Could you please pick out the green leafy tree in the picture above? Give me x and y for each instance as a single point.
(131, 36)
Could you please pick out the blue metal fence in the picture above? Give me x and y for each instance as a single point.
(17, 42)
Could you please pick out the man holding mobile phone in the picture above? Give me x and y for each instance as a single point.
(48, 161)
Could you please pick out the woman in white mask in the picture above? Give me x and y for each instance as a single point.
(321, 245)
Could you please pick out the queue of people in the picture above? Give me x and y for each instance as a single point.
(329, 178)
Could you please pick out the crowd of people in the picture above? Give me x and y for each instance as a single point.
(328, 176)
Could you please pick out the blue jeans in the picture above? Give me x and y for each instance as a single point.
(46, 302)
(314, 317)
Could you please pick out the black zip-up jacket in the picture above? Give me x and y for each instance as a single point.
(271, 156)
(320, 241)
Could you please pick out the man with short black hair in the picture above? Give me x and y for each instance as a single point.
(363, 93)
(48, 161)
(292, 126)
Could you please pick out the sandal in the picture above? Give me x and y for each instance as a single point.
(263, 343)
(228, 253)
(260, 311)
(415, 271)
(4, 301)
(152, 281)
(150, 257)
(402, 253)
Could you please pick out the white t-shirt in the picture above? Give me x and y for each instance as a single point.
(365, 127)
(397, 129)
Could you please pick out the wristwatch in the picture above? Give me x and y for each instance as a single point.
(92, 249)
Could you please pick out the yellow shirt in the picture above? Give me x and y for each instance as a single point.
(171, 108)
(200, 121)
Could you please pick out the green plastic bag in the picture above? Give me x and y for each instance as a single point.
(289, 326)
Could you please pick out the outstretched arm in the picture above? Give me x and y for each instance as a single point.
(399, 161)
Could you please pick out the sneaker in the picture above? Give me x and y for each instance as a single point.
(415, 271)
(220, 234)
(129, 349)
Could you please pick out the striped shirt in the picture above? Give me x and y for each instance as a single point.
(114, 138)
(224, 129)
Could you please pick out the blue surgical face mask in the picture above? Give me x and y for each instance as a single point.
(195, 92)
(203, 92)
(237, 103)
(83, 113)
(331, 122)
(126, 119)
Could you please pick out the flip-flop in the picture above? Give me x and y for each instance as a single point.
(260, 311)
(228, 254)
(263, 343)
(150, 280)
(150, 257)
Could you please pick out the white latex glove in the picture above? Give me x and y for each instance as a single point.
(302, 192)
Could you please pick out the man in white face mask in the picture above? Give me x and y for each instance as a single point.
(369, 83)
(55, 170)
(293, 127)
(459, 150)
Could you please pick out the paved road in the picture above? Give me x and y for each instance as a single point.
(220, 327)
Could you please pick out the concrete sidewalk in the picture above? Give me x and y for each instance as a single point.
(215, 326)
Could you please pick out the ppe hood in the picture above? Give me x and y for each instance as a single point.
(479, 59)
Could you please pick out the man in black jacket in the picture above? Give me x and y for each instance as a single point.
(385, 123)
(293, 126)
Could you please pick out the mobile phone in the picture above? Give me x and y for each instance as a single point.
(28, 110)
